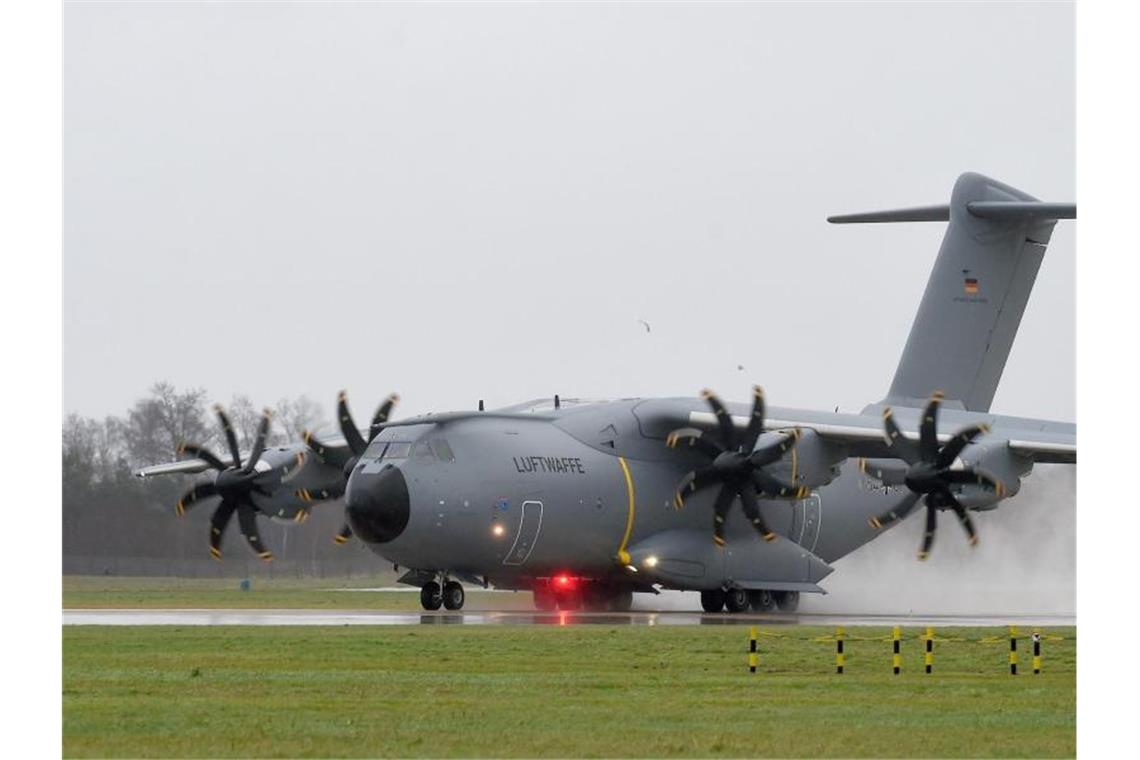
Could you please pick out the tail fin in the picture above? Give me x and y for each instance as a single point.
(977, 292)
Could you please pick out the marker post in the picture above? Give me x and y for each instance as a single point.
(1036, 652)
(753, 655)
(840, 659)
(1012, 650)
(896, 658)
(929, 657)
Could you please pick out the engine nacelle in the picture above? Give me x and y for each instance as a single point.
(996, 460)
(813, 461)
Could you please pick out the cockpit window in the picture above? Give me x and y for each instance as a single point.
(421, 450)
(397, 450)
(375, 449)
(442, 450)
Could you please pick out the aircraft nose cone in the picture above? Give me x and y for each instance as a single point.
(377, 505)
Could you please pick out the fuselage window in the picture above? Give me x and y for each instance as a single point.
(442, 450)
(397, 450)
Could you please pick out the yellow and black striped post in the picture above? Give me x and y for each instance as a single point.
(1012, 650)
(896, 658)
(929, 657)
(840, 660)
(753, 655)
(1036, 652)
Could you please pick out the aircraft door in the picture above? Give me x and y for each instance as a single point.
(529, 525)
(806, 521)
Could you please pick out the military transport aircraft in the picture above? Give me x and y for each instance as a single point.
(587, 502)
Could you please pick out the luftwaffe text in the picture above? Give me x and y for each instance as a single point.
(571, 465)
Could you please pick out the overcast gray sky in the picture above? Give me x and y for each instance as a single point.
(463, 202)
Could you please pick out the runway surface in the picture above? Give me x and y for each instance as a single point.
(515, 617)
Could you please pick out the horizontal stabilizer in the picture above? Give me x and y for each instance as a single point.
(982, 209)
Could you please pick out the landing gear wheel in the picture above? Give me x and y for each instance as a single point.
(787, 601)
(622, 600)
(712, 600)
(569, 600)
(736, 600)
(544, 600)
(453, 595)
(430, 596)
(761, 601)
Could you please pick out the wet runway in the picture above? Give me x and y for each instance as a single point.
(515, 617)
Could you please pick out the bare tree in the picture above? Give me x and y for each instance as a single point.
(245, 418)
(157, 425)
(297, 415)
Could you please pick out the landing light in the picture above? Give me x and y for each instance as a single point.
(497, 529)
(651, 561)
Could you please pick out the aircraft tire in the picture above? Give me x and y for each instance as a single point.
(761, 600)
(544, 600)
(787, 601)
(569, 600)
(622, 600)
(430, 596)
(453, 596)
(736, 600)
(712, 600)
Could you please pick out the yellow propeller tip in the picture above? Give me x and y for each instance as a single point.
(874, 523)
(769, 536)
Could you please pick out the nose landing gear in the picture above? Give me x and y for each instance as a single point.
(450, 596)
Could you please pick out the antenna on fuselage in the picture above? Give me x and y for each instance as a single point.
(557, 402)
(480, 405)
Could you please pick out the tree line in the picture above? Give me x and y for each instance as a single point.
(116, 523)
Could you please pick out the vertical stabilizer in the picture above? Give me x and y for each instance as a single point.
(977, 292)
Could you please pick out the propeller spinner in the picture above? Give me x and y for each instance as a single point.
(929, 475)
(735, 466)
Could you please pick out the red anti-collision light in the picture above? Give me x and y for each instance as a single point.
(564, 581)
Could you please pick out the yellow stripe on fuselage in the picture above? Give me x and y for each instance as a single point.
(623, 555)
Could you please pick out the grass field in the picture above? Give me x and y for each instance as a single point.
(589, 691)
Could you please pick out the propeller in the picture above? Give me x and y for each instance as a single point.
(929, 475)
(356, 443)
(239, 484)
(735, 466)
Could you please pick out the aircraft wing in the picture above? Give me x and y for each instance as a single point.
(1041, 441)
(183, 467)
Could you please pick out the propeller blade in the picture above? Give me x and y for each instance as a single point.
(748, 503)
(756, 421)
(247, 522)
(201, 452)
(697, 439)
(902, 446)
(381, 416)
(928, 429)
(972, 477)
(693, 482)
(961, 440)
(218, 522)
(931, 526)
(883, 471)
(766, 455)
(775, 488)
(964, 518)
(347, 427)
(228, 429)
(197, 493)
(259, 442)
(344, 534)
(897, 512)
(723, 419)
(723, 501)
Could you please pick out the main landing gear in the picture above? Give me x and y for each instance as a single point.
(592, 596)
(739, 600)
(450, 596)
